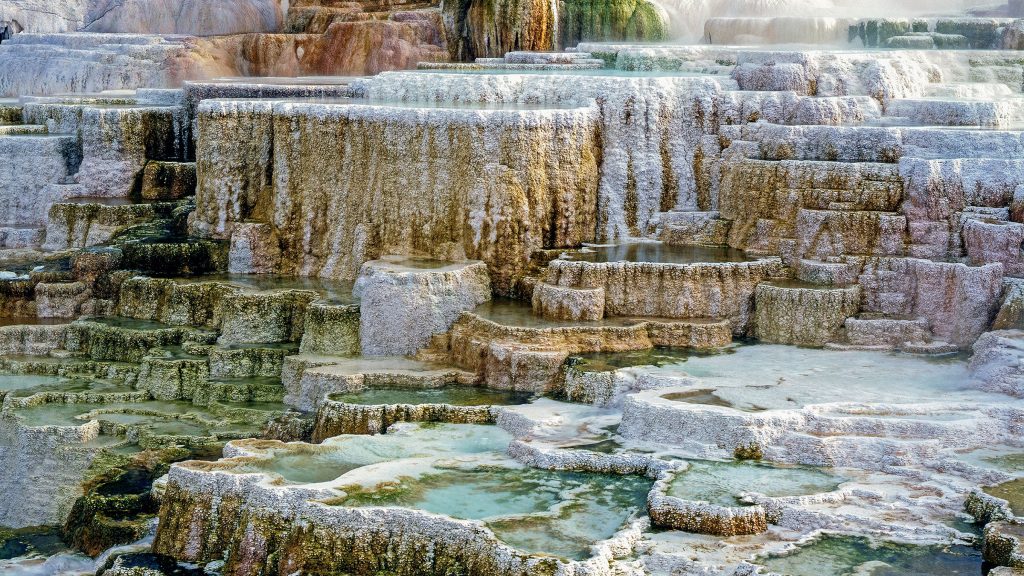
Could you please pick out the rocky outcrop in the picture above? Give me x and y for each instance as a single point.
(800, 314)
(959, 301)
(530, 358)
(636, 289)
(404, 302)
(437, 211)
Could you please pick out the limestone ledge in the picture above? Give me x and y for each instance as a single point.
(538, 455)
(335, 417)
(702, 517)
(404, 302)
(996, 363)
(985, 508)
(670, 291)
(208, 515)
(117, 135)
(480, 139)
(331, 329)
(802, 315)
(91, 63)
(818, 434)
(521, 358)
(244, 316)
(309, 379)
(610, 388)
(59, 454)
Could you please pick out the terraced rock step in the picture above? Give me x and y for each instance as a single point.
(601, 289)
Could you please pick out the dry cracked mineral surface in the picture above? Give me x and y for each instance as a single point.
(511, 288)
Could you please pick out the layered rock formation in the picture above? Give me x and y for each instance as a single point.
(436, 211)
(552, 254)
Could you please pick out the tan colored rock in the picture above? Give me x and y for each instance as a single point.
(339, 197)
(567, 303)
(168, 180)
(802, 314)
(346, 48)
(530, 359)
(61, 300)
(707, 290)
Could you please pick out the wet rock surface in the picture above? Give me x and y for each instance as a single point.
(600, 289)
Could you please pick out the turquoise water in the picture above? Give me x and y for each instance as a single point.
(311, 463)
(854, 556)
(721, 482)
(21, 381)
(536, 511)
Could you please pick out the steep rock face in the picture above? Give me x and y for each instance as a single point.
(802, 315)
(959, 301)
(720, 291)
(491, 28)
(362, 46)
(651, 132)
(470, 189)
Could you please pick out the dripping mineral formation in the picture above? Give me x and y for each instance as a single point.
(492, 288)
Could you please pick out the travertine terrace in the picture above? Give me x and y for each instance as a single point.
(491, 288)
